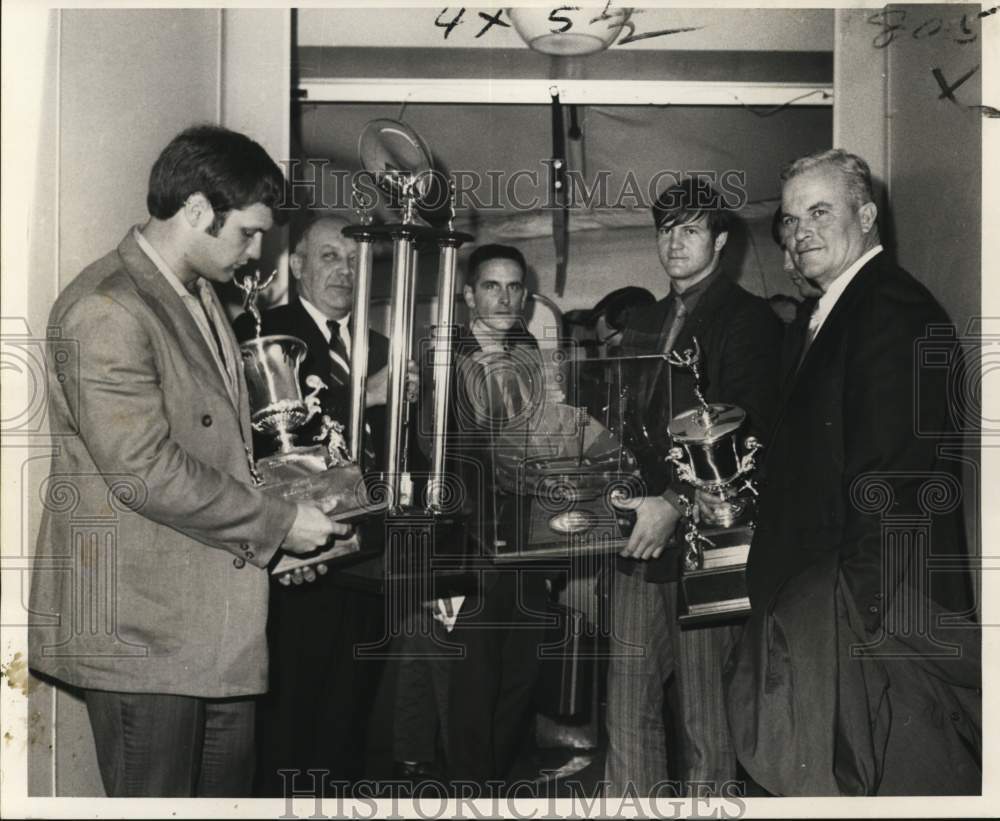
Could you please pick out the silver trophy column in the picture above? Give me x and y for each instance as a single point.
(359, 336)
(443, 338)
(400, 333)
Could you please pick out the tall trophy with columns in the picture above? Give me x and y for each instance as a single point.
(423, 517)
(713, 456)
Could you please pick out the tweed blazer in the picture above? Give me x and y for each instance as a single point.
(149, 573)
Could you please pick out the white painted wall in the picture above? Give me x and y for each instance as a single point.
(116, 85)
(256, 69)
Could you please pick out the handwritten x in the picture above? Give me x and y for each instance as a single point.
(947, 91)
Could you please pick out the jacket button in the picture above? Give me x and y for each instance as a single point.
(206, 420)
(878, 597)
(249, 554)
(956, 715)
(873, 609)
(238, 563)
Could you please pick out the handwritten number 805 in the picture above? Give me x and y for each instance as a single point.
(892, 22)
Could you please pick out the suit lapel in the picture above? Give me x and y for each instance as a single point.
(794, 342)
(707, 307)
(228, 338)
(839, 316)
(833, 329)
(698, 325)
(166, 300)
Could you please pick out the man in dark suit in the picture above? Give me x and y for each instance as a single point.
(162, 419)
(317, 713)
(845, 467)
(739, 337)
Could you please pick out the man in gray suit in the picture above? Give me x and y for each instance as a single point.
(161, 623)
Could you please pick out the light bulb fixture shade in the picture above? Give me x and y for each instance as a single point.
(569, 31)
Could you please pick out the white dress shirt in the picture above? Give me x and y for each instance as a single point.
(203, 308)
(345, 330)
(833, 293)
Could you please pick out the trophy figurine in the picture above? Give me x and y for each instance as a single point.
(321, 470)
(708, 456)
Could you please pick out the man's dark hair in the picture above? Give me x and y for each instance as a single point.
(688, 201)
(231, 170)
(486, 253)
(618, 305)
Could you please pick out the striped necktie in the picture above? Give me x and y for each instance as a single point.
(338, 350)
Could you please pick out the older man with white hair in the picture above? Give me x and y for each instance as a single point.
(859, 671)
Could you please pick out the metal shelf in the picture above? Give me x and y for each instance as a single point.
(581, 92)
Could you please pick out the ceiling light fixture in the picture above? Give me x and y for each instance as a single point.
(569, 31)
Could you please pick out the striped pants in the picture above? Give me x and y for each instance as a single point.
(647, 647)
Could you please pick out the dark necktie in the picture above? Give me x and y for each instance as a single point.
(656, 404)
(680, 313)
(338, 350)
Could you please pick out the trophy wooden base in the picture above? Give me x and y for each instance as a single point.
(530, 528)
(717, 591)
(340, 490)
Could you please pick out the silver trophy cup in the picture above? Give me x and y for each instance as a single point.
(709, 455)
(319, 471)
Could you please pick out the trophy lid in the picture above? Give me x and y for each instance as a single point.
(690, 428)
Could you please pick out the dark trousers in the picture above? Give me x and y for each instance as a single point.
(420, 707)
(157, 746)
(317, 712)
(490, 689)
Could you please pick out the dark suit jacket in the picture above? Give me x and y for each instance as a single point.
(740, 340)
(845, 458)
(811, 715)
(294, 320)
